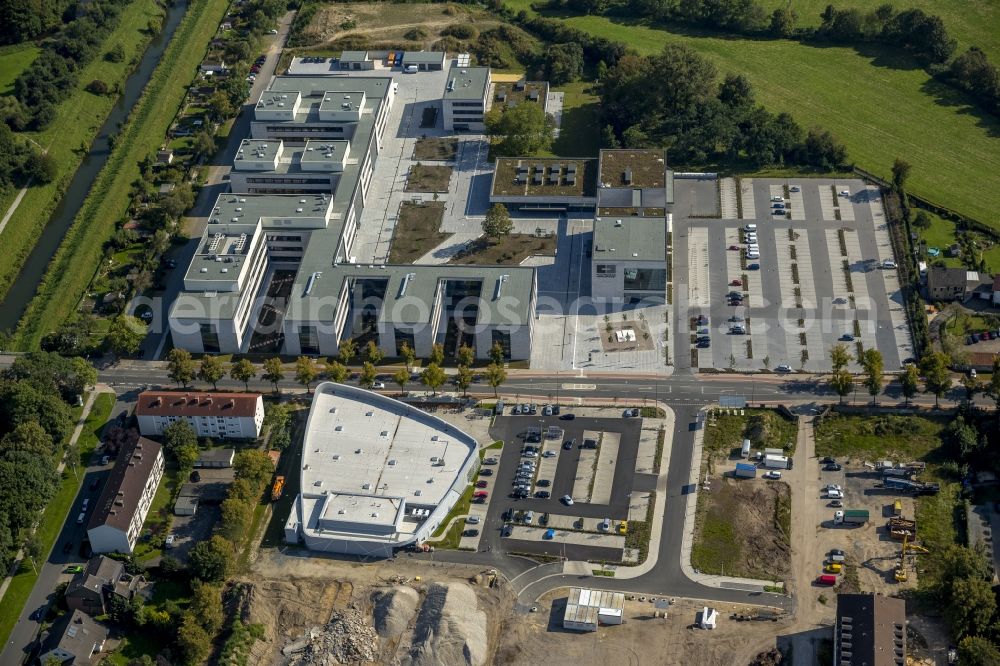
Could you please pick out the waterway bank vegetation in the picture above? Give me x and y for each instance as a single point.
(132, 211)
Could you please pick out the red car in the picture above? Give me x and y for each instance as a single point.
(481, 484)
(734, 247)
(481, 493)
(736, 283)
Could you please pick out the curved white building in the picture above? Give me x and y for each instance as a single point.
(377, 474)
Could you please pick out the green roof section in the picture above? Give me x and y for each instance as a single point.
(630, 239)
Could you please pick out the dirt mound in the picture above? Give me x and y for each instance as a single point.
(770, 658)
(450, 628)
(347, 638)
(394, 610)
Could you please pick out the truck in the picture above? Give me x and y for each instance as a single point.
(276, 490)
(901, 484)
(776, 462)
(851, 517)
(745, 471)
(902, 472)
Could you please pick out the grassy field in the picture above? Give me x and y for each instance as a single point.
(580, 133)
(159, 518)
(427, 178)
(765, 428)
(14, 60)
(70, 134)
(902, 438)
(73, 266)
(879, 102)
(417, 231)
(54, 515)
(971, 22)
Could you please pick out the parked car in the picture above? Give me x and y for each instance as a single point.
(835, 504)
(486, 472)
(568, 417)
(470, 533)
(480, 493)
(832, 467)
(567, 500)
(833, 486)
(542, 494)
(753, 267)
(736, 283)
(630, 413)
(482, 484)
(834, 494)
(169, 543)
(490, 461)
(847, 337)
(569, 444)
(543, 483)
(784, 367)
(472, 520)
(773, 474)
(827, 460)
(549, 534)
(549, 454)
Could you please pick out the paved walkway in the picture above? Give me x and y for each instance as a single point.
(62, 464)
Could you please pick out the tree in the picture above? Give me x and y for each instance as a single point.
(401, 377)
(433, 377)
(840, 357)
(274, 372)
(192, 639)
(921, 220)
(211, 370)
(900, 172)
(368, 374)
(971, 387)
(977, 651)
(125, 335)
(373, 353)
(211, 560)
(237, 514)
(276, 420)
(495, 376)
(842, 381)
(937, 377)
(871, 361)
(497, 222)
(971, 608)
(463, 379)
(180, 366)
(524, 129)
(243, 371)
(348, 350)
(337, 372)
(497, 354)
(783, 22)
(255, 466)
(206, 605)
(909, 382)
(466, 355)
(187, 456)
(34, 549)
(178, 435)
(563, 63)
(736, 92)
(408, 355)
(305, 372)
(437, 354)
(28, 437)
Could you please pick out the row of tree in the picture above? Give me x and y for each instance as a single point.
(35, 421)
(22, 162)
(673, 99)
(23, 20)
(183, 369)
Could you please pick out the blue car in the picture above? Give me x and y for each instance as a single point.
(753, 267)
(549, 534)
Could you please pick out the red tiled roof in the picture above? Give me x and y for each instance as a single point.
(177, 403)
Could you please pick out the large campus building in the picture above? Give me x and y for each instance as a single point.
(377, 474)
(274, 270)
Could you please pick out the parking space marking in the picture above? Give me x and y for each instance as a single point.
(840, 290)
(798, 209)
(826, 202)
(727, 199)
(807, 285)
(846, 203)
(607, 457)
(585, 469)
(699, 293)
(746, 199)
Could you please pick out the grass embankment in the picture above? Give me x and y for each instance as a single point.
(54, 516)
(69, 136)
(849, 93)
(79, 255)
(461, 508)
(14, 60)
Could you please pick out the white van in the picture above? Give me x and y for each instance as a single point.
(753, 254)
(528, 517)
(750, 227)
(411, 69)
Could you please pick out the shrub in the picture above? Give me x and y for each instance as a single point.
(416, 34)
(461, 31)
(97, 87)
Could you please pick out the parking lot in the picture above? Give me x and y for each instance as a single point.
(819, 272)
(599, 475)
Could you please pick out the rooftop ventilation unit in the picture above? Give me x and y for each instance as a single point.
(618, 223)
(406, 281)
(501, 281)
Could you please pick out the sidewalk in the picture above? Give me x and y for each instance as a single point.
(687, 540)
(19, 557)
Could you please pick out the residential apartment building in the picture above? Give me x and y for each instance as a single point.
(216, 415)
(870, 631)
(128, 493)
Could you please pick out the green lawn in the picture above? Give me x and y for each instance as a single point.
(54, 516)
(159, 517)
(880, 103)
(580, 134)
(971, 22)
(902, 438)
(941, 234)
(70, 134)
(72, 269)
(461, 508)
(14, 60)
(764, 427)
(137, 643)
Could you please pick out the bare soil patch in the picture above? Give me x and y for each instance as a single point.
(509, 250)
(435, 148)
(417, 231)
(635, 336)
(425, 178)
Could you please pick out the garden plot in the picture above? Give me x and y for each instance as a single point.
(746, 198)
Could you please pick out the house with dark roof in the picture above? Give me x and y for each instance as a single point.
(74, 639)
(871, 631)
(217, 415)
(91, 589)
(951, 284)
(128, 493)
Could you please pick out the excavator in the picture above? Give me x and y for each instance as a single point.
(908, 546)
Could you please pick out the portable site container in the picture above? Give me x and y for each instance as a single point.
(775, 462)
(774, 452)
(827, 579)
(897, 507)
(745, 471)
